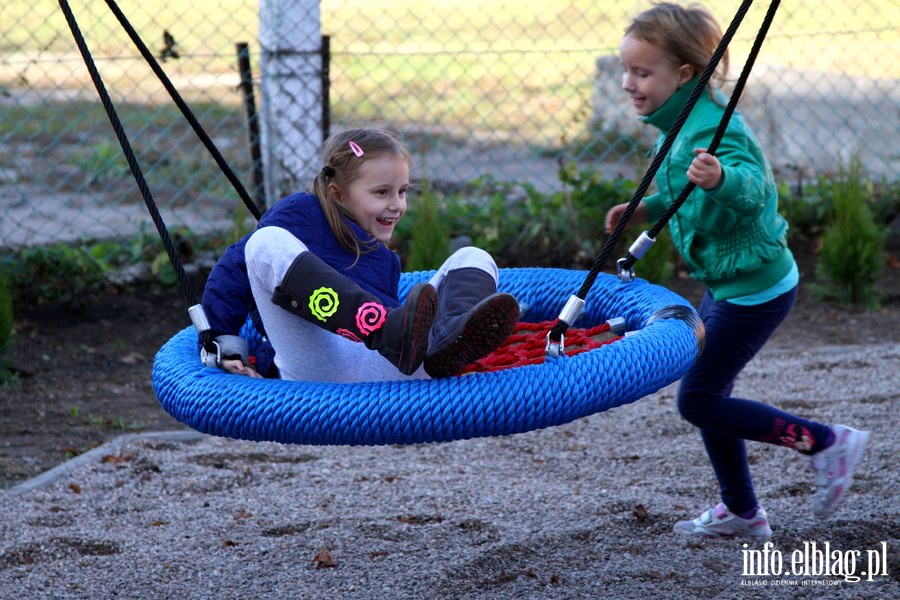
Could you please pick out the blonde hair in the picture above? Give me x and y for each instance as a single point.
(343, 155)
(689, 35)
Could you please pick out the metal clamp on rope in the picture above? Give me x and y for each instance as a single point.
(569, 314)
(213, 351)
(572, 310)
(209, 357)
(637, 250)
(617, 325)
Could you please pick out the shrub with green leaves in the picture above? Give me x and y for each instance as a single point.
(55, 273)
(429, 243)
(810, 208)
(852, 256)
(521, 225)
(807, 210)
(60, 272)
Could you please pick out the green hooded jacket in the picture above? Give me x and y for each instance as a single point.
(731, 237)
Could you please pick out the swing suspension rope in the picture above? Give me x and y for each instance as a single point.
(573, 308)
(186, 286)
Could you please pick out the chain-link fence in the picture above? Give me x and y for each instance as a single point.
(508, 89)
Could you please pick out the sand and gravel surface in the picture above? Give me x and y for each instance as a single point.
(578, 511)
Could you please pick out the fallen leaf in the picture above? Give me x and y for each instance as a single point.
(75, 488)
(893, 262)
(640, 513)
(133, 358)
(576, 448)
(714, 565)
(110, 458)
(323, 559)
(420, 519)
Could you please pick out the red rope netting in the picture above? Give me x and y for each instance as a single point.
(528, 343)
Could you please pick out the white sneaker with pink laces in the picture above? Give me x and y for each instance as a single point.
(834, 466)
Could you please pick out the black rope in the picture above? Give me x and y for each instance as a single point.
(561, 327)
(185, 110)
(720, 131)
(186, 285)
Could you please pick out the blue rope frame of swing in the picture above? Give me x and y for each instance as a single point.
(498, 403)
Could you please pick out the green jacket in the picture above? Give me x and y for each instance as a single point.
(732, 237)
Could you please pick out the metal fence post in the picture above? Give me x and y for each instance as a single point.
(259, 193)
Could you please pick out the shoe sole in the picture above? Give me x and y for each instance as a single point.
(421, 306)
(714, 536)
(491, 323)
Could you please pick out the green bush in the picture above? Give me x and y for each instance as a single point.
(55, 273)
(429, 244)
(811, 208)
(852, 256)
(522, 226)
(807, 211)
(884, 199)
(63, 271)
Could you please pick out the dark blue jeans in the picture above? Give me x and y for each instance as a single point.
(734, 334)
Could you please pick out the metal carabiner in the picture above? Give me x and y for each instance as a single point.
(555, 349)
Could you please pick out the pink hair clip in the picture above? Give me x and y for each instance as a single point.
(356, 149)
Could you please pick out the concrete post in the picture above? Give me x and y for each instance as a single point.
(291, 93)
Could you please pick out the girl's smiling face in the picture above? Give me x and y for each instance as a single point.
(650, 77)
(376, 198)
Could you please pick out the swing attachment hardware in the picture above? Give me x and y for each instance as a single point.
(636, 251)
(568, 315)
(212, 351)
(555, 349)
(199, 319)
(572, 310)
(617, 325)
(625, 276)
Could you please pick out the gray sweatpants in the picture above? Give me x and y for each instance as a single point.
(306, 351)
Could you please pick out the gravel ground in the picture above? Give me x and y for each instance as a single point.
(579, 511)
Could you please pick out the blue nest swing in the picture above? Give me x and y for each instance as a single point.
(505, 402)
(665, 333)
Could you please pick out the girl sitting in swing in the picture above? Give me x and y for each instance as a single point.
(318, 278)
